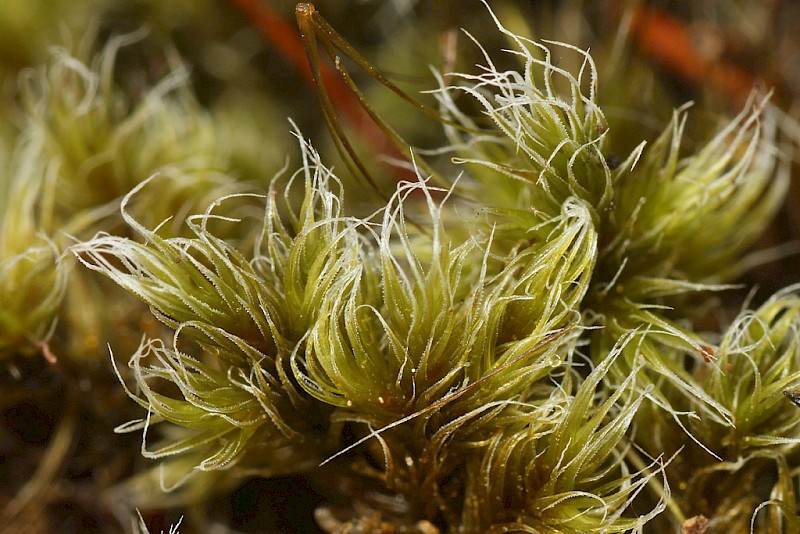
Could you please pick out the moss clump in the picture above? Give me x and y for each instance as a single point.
(517, 341)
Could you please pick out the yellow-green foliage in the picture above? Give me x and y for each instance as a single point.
(100, 142)
(455, 343)
(85, 143)
(512, 351)
(758, 359)
(29, 27)
(31, 282)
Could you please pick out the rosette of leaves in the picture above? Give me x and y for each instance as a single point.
(662, 250)
(563, 467)
(392, 349)
(100, 142)
(757, 362)
(436, 342)
(662, 204)
(236, 322)
(659, 244)
(545, 134)
(32, 283)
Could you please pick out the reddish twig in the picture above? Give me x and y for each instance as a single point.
(669, 42)
(284, 36)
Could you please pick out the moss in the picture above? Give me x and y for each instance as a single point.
(509, 341)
